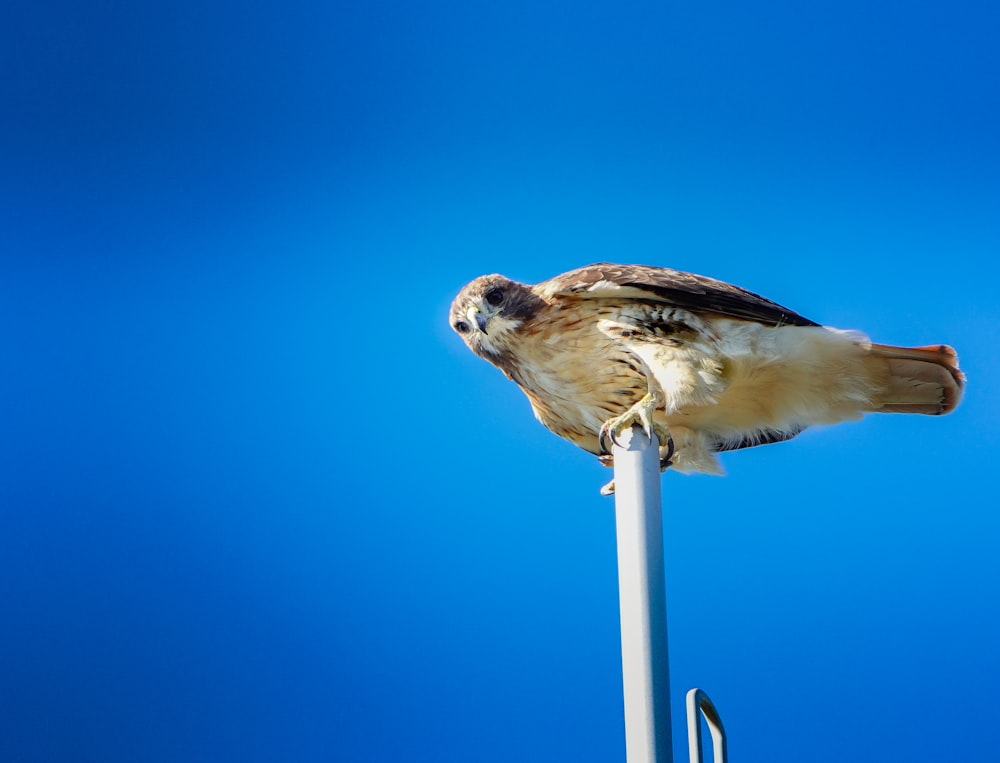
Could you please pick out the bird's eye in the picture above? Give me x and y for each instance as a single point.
(494, 296)
(462, 327)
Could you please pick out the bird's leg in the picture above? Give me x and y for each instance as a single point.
(643, 414)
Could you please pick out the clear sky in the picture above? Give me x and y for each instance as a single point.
(258, 502)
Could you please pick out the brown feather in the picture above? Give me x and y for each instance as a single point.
(920, 379)
(673, 287)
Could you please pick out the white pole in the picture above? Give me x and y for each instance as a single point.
(642, 597)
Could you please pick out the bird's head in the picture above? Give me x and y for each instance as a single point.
(488, 311)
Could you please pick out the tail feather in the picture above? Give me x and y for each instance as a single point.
(920, 379)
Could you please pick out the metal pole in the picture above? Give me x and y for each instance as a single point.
(641, 590)
(698, 700)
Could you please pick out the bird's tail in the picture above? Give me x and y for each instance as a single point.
(920, 379)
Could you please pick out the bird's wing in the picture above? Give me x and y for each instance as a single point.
(686, 290)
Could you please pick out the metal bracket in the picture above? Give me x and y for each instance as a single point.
(698, 700)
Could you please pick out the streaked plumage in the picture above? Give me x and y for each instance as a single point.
(719, 367)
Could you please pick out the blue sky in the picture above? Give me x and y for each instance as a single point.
(257, 502)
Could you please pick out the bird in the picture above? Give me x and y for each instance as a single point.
(702, 365)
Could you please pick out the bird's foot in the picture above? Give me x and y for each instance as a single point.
(642, 414)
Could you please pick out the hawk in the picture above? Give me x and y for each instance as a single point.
(704, 365)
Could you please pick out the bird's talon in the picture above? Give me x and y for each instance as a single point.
(665, 462)
(602, 441)
(641, 415)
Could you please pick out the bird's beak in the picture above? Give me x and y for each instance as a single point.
(475, 316)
